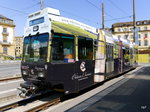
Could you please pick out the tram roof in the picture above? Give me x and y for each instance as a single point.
(60, 27)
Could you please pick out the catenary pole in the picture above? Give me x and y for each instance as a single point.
(134, 21)
(42, 4)
(103, 16)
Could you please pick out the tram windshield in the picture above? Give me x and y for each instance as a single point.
(35, 48)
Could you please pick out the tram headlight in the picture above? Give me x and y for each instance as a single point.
(41, 74)
(24, 72)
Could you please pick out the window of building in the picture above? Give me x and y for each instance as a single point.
(125, 36)
(139, 35)
(138, 23)
(119, 36)
(139, 43)
(125, 29)
(145, 22)
(139, 28)
(145, 28)
(119, 30)
(145, 43)
(145, 36)
(131, 36)
(5, 50)
(5, 30)
(4, 39)
(131, 29)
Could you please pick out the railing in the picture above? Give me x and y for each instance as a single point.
(5, 42)
(5, 33)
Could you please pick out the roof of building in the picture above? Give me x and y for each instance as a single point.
(3, 17)
(138, 23)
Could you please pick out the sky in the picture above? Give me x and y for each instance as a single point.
(85, 11)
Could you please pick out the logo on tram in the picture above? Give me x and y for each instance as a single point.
(82, 67)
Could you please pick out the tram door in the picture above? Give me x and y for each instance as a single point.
(109, 59)
(99, 61)
(120, 68)
(85, 65)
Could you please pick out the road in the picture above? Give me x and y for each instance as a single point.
(9, 88)
(9, 69)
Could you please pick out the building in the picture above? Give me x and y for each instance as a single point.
(18, 46)
(125, 30)
(7, 46)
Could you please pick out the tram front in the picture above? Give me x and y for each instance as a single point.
(36, 52)
(34, 56)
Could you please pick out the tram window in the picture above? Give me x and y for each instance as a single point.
(126, 54)
(35, 48)
(131, 53)
(116, 52)
(62, 48)
(110, 52)
(107, 53)
(95, 47)
(112, 55)
(85, 48)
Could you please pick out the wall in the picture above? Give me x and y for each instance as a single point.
(143, 58)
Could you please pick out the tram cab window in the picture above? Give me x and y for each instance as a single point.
(62, 48)
(85, 48)
(35, 48)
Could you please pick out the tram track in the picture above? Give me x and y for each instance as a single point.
(54, 99)
(10, 78)
(44, 106)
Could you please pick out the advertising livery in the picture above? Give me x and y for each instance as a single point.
(62, 53)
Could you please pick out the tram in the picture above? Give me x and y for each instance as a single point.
(64, 53)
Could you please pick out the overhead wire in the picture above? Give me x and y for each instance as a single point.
(99, 8)
(22, 12)
(114, 19)
(69, 13)
(123, 11)
(119, 18)
(120, 9)
(29, 7)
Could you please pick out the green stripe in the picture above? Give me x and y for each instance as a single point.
(71, 29)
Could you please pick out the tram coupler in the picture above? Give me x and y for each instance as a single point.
(26, 90)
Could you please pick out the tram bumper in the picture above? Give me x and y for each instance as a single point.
(26, 89)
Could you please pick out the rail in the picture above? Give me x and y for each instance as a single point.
(30, 100)
(10, 78)
(44, 106)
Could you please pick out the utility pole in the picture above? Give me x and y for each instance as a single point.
(103, 16)
(134, 22)
(42, 4)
